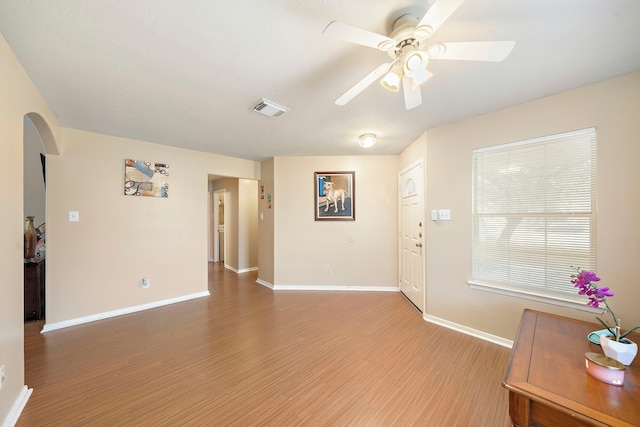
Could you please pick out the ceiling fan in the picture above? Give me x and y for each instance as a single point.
(410, 52)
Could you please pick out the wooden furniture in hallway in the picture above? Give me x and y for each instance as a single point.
(548, 382)
(34, 289)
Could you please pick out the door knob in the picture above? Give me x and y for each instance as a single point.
(419, 245)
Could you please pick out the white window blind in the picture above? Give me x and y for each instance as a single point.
(534, 212)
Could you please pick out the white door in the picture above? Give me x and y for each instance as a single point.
(412, 234)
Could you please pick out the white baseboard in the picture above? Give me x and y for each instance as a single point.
(18, 407)
(344, 288)
(80, 320)
(265, 284)
(241, 270)
(436, 320)
(469, 331)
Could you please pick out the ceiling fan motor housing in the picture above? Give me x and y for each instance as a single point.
(403, 33)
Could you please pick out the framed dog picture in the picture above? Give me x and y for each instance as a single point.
(335, 196)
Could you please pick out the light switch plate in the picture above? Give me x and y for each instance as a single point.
(434, 215)
(74, 216)
(444, 214)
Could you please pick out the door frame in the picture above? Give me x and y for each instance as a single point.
(217, 195)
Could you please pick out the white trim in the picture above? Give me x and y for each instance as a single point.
(18, 407)
(265, 284)
(420, 161)
(576, 303)
(469, 331)
(105, 315)
(536, 140)
(335, 288)
(241, 270)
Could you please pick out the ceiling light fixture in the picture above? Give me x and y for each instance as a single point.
(392, 80)
(413, 65)
(367, 140)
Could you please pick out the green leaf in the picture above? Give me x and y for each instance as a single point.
(629, 331)
(613, 332)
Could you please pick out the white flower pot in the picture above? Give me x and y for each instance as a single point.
(623, 351)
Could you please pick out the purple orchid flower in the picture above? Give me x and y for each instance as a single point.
(584, 281)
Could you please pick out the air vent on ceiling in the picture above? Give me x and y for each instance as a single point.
(269, 108)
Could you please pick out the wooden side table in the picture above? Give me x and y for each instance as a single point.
(548, 382)
(34, 289)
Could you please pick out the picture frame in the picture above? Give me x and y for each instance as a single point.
(142, 178)
(334, 196)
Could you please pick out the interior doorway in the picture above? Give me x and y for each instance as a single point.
(34, 207)
(218, 203)
(233, 222)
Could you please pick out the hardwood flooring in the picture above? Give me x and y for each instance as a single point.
(249, 356)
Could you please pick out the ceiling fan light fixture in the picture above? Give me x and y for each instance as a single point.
(419, 77)
(416, 61)
(367, 140)
(392, 80)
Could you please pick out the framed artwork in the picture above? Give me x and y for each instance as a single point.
(145, 178)
(335, 196)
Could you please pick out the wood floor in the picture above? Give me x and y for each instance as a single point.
(249, 356)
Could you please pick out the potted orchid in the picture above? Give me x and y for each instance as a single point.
(621, 349)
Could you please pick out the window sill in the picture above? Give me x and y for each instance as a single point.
(563, 301)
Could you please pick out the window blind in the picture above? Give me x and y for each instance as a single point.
(534, 211)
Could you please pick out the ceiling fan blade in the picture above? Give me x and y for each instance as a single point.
(356, 35)
(412, 95)
(364, 83)
(472, 51)
(435, 17)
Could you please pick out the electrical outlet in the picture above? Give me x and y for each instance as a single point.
(1, 376)
(145, 282)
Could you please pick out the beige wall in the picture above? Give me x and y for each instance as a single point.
(613, 107)
(96, 265)
(266, 238)
(248, 224)
(417, 150)
(18, 98)
(360, 253)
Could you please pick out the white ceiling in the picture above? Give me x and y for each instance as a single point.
(187, 72)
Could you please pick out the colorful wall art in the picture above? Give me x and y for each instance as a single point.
(145, 178)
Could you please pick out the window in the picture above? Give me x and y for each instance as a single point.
(534, 213)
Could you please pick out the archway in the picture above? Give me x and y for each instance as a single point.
(34, 206)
